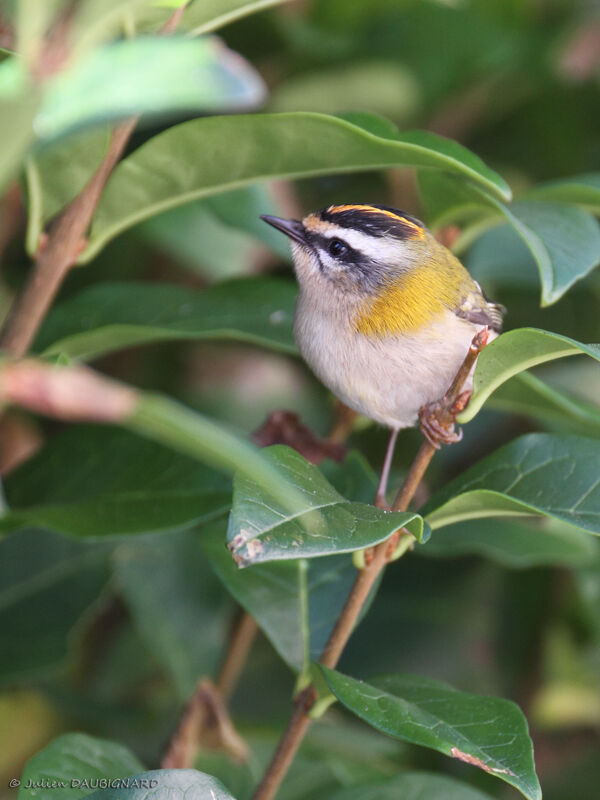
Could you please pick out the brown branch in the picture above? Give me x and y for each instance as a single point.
(237, 651)
(446, 411)
(65, 241)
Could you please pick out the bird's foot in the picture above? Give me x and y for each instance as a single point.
(437, 425)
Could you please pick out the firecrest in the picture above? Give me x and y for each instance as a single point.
(385, 313)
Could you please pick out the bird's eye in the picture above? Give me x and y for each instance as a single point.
(337, 248)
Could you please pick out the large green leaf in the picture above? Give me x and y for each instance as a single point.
(581, 190)
(182, 596)
(109, 316)
(528, 396)
(122, 485)
(75, 763)
(555, 476)
(514, 352)
(487, 732)
(296, 603)
(171, 784)
(323, 522)
(207, 156)
(413, 786)
(561, 239)
(515, 544)
(155, 76)
(47, 584)
(17, 115)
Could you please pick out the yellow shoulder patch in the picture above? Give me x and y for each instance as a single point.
(407, 304)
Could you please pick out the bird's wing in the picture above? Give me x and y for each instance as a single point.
(476, 308)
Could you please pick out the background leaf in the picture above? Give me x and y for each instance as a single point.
(176, 784)
(75, 756)
(155, 76)
(122, 485)
(514, 352)
(46, 577)
(413, 786)
(557, 476)
(111, 316)
(204, 157)
(487, 732)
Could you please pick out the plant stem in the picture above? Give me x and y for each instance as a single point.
(239, 645)
(365, 580)
(59, 252)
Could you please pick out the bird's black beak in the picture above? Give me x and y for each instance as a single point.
(291, 227)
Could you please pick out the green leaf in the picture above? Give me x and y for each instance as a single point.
(56, 173)
(487, 732)
(182, 596)
(69, 761)
(322, 524)
(556, 476)
(174, 784)
(108, 317)
(122, 485)
(296, 603)
(513, 544)
(206, 156)
(413, 786)
(563, 240)
(47, 584)
(528, 396)
(514, 352)
(581, 190)
(17, 114)
(208, 15)
(157, 75)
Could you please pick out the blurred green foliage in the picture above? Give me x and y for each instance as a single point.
(106, 633)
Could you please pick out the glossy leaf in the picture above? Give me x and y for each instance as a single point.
(487, 732)
(182, 596)
(514, 352)
(122, 485)
(174, 784)
(109, 316)
(207, 156)
(562, 240)
(69, 761)
(155, 76)
(296, 603)
(413, 786)
(324, 522)
(47, 584)
(526, 395)
(581, 190)
(514, 544)
(555, 476)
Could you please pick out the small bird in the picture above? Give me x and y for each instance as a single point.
(385, 314)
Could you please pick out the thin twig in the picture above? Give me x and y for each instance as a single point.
(239, 646)
(365, 580)
(65, 241)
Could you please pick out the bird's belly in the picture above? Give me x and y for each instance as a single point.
(386, 379)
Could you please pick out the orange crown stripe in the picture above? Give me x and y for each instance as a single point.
(373, 210)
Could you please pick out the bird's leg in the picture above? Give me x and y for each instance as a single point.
(437, 419)
(380, 500)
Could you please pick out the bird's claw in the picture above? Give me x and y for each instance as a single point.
(434, 429)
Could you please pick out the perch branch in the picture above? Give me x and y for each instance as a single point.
(446, 411)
